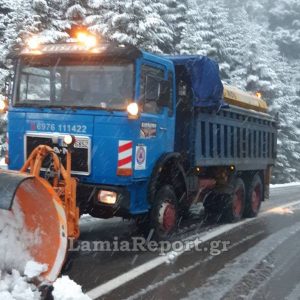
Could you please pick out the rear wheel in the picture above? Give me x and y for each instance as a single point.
(254, 197)
(164, 213)
(235, 203)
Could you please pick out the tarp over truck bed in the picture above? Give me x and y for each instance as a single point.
(204, 78)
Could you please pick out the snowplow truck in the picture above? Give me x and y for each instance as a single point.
(111, 130)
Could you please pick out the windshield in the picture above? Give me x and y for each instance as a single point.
(79, 83)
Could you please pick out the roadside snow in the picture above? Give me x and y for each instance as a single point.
(217, 286)
(273, 186)
(15, 257)
(13, 240)
(17, 267)
(67, 289)
(14, 286)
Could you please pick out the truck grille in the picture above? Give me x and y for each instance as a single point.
(80, 155)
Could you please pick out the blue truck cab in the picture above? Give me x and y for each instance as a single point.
(141, 145)
(86, 95)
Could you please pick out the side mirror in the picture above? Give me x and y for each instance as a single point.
(3, 104)
(164, 94)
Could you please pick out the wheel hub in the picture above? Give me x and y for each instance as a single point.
(255, 199)
(167, 216)
(238, 202)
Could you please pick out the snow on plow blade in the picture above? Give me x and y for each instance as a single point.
(43, 217)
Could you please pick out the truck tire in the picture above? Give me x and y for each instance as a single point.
(164, 213)
(234, 205)
(211, 204)
(254, 197)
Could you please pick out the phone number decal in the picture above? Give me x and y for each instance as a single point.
(71, 128)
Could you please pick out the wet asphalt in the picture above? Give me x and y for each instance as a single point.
(256, 259)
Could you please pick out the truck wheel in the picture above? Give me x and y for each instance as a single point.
(235, 203)
(211, 204)
(164, 213)
(254, 197)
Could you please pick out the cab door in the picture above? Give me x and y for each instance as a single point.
(157, 122)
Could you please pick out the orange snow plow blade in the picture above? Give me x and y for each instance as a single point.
(49, 211)
(45, 217)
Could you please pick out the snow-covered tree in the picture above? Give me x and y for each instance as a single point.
(136, 22)
(191, 34)
(174, 13)
(238, 46)
(56, 17)
(247, 38)
(285, 22)
(208, 32)
(16, 20)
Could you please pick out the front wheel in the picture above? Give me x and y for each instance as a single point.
(164, 213)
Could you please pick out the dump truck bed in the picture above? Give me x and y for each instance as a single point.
(234, 136)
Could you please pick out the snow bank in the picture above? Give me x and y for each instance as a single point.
(17, 267)
(285, 185)
(14, 240)
(15, 257)
(14, 286)
(34, 269)
(67, 289)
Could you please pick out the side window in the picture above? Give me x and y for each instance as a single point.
(152, 87)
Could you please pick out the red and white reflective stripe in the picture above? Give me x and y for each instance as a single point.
(125, 155)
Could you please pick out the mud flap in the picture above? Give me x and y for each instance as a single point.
(9, 183)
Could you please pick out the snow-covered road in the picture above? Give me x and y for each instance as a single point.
(243, 259)
(226, 261)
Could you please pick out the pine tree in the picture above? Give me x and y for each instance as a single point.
(136, 22)
(191, 33)
(287, 167)
(174, 13)
(238, 46)
(16, 21)
(208, 33)
(56, 18)
(284, 21)
(263, 54)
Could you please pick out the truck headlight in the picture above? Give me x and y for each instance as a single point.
(133, 110)
(107, 197)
